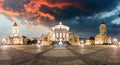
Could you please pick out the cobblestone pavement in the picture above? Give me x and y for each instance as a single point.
(50, 55)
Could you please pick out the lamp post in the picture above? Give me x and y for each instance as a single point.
(115, 41)
(82, 41)
(4, 41)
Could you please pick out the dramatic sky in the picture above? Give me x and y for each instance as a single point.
(35, 17)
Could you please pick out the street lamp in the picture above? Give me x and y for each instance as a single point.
(4, 41)
(115, 40)
(82, 41)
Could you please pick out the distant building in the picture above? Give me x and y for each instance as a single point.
(60, 32)
(90, 41)
(102, 37)
(15, 38)
(74, 39)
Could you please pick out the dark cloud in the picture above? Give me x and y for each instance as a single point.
(72, 13)
(62, 9)
(118, 15)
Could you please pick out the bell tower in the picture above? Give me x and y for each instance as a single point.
(102, 27)
(15, 30)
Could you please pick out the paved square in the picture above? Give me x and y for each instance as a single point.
(50, 55)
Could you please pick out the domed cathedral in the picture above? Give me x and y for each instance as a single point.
(15, 38)
(15, 30)
(102, 37)
(60, 32)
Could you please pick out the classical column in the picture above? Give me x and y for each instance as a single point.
(58, 36)
(67, 36)
(55, 36)
(62, 36)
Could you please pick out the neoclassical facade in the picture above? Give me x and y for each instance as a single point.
(60, 32)
(15, 38)
(102, 37)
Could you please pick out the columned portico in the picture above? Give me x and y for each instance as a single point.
(60, 32)
(63, 36)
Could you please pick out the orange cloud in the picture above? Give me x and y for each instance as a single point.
(31, 10)
(7, 11)
(34, 7)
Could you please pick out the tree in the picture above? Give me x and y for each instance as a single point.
(34, 41)
(29, 42)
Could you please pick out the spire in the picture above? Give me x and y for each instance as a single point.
(102, 28)
(103, 22)
(15, 30)
(15, 24)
